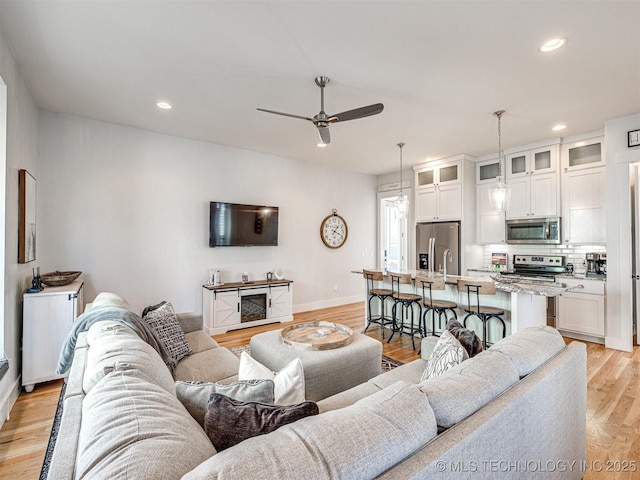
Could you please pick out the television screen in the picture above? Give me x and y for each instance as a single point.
(233, 224)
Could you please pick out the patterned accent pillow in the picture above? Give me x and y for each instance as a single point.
(164, 322)
(195, 395)
(447, 353)
(229, 422)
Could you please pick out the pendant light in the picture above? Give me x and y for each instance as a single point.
(500, 193)
(401, 202)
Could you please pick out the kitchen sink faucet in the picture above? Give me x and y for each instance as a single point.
(444, 262)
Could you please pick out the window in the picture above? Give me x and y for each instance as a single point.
(392, 234)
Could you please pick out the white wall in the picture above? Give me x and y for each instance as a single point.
(619, 284)
(21, 152)
(129, 208)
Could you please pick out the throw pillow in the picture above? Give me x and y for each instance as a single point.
(447, 353)
(195, 395)
(164, 322)
(289, 382)
(229, 422)
(468, 338)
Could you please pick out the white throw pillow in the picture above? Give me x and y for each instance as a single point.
(289, 382)
(447, 353)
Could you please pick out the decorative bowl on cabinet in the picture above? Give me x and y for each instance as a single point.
(57, 279)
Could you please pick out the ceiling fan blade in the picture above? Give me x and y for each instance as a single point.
(357, 113)
(287, 114)
(325, 136)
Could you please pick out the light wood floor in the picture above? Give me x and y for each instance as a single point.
(613, 402)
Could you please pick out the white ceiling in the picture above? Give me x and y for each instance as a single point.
(441, 68)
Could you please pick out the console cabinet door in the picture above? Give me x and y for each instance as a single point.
(280, 301)
(581, 313)
(227, 309)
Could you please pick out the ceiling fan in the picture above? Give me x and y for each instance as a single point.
(322, 120)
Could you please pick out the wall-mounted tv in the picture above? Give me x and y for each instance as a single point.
(234, 224)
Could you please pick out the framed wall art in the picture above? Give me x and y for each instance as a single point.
(27, 220)
(633, 138)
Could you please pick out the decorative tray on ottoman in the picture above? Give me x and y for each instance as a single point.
(317, 335)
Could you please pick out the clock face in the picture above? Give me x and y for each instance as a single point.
(333, 231)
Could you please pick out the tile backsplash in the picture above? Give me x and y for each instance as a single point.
(573, 254)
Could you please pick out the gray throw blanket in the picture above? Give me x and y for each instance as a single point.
(130, 319)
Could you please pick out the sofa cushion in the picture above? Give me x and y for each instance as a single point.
(448, 353)
(467, 387)
(164, 322)
(530, 348)
(229, 422)
(199, 341)
(410, 372)
(114, 346)
(211, 365)
(289, 382)
(195, 395)
(357, 442)
(132, 428)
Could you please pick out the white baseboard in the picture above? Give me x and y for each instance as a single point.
(9, 391)
(334, 302)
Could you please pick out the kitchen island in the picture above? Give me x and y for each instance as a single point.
(524, 301)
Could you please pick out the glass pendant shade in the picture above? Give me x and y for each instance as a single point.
(499, 195)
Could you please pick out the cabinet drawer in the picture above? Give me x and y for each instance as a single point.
(593, 287)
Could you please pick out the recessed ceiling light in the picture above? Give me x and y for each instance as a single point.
(322, 144)
(164, 105)
(553, 44)
(558, 127)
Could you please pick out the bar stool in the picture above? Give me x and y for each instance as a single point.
(383, 294)
(485, 314)
(438, 307)
(406, 301)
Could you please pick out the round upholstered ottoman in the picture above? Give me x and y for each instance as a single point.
(326, 372)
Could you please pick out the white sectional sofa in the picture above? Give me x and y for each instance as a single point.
(515, 411)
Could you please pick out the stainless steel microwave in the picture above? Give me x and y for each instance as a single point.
(534, 231)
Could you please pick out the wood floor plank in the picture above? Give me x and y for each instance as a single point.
(613, 401)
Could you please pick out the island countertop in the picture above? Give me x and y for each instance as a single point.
(504, 284)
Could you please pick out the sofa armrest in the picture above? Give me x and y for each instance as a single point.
(190, 321)
(427, 346)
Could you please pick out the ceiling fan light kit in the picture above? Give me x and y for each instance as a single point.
(322, 120)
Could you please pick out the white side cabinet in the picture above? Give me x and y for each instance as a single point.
(582, 310)
(240, 305)
(439, 192)
(47, 319)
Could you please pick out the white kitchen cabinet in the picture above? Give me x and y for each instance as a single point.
(583, 207)
(438, 193)
(582, 310)
(490, 223)
(533, 178)
(47, 319)
(583, 152)
(487, 171)
(239, 305)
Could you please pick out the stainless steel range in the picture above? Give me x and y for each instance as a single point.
(539, 267)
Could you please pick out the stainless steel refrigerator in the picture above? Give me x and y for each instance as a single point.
(447, 236)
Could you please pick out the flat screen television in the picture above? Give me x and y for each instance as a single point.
(234, 224)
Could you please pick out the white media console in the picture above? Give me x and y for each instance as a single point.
(240, 305)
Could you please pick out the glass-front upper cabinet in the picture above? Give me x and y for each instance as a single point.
(487, 171)
(438, 175)
(531, 162)
(581, 154)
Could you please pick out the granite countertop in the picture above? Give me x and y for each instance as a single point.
(507, 284)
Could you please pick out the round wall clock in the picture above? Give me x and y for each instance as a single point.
(333, 230)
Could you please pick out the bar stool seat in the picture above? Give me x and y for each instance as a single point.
(436, 307)
(482, 312)
(407, 302)
(382, 294)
